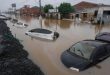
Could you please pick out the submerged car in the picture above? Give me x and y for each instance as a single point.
(84, 54)
(43, 33)
(14, 20)
(3, 17)
(104, 36)
(21, 25)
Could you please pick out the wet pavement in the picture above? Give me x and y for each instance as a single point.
(47, 54)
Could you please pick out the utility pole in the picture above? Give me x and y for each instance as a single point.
(40, 6)
(0, 12)
(40, 17)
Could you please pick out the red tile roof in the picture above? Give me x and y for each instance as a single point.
(82, 5)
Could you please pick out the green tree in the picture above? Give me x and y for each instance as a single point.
(65, 8)
(47, 7)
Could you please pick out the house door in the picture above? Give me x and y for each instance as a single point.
(84, 16)
(77, 15)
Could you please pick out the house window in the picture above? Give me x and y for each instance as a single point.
(106, 12)
(77, 15)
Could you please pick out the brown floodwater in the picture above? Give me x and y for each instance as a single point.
(46, 54)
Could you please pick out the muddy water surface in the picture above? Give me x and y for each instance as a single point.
(47, 54)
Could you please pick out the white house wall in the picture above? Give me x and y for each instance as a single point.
(101, 9)
(91, 10)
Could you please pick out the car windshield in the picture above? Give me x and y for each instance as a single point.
(25, 25)
(20, 23)
(44, 31)
(82, 50)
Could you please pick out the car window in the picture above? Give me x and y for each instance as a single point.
(101, 54)
(44, 31)
(19, 23)
(82, 50)
(14, 20)
(25, 25)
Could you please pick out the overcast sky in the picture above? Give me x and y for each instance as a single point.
(5, 4)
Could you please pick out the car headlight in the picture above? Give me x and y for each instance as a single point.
(72, 68)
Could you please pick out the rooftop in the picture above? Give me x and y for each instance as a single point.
(82, 5)
(85, 5)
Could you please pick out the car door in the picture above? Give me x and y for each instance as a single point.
(101, 54)
(34, 33)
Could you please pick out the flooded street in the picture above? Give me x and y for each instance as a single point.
(46, 54)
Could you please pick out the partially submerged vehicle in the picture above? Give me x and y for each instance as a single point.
(84, 54)
(3, 17)
(20, 24)
(43, 33)
(14, 20)
(104, 36)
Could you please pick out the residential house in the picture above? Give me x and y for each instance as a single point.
(35, 11)
(88, 11)
(53, 13)
(32, 11)
(84, 10)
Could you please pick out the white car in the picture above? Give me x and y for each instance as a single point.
(21, 25)
(43, 33)
(14, 20)
(3, 17)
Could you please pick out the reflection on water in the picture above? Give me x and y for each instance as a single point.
(60, 23)
(98, 28)
(47, 54)
(26, 18)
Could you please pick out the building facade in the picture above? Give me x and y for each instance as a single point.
(53, 13)
(32, 11)
(92, 12)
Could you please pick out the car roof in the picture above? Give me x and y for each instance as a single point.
(93, 43)
(3, 15)
(105, 36)
(42, 30)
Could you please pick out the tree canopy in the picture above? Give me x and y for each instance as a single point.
(47, 7)
(65, 8)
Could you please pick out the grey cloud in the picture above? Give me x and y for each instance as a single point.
(5, 4)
